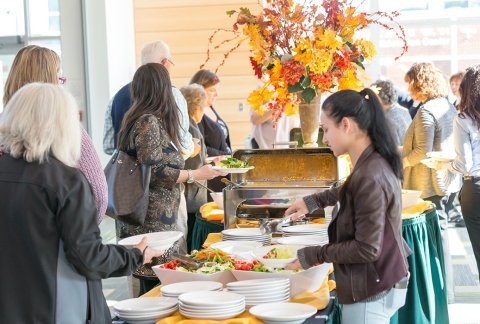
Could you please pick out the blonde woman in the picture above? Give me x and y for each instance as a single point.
(195, 195)
(39, 64)
(52, 256)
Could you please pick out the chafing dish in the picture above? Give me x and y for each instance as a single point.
(280, 177)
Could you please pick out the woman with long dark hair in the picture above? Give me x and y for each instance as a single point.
(151, 132)
(365, 236)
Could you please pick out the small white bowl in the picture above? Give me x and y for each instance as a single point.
(217, 198)
(260, 252)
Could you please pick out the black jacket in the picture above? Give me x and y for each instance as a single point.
(44, 207)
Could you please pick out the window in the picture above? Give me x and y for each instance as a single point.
(26, 22)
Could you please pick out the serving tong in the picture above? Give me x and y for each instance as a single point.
(191, 263)
(275, 225)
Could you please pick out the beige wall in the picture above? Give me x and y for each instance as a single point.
(186, 26)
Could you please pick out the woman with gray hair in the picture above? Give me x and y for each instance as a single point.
(398, 117)
(53, 258)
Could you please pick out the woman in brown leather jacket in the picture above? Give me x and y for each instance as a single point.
(365, 238)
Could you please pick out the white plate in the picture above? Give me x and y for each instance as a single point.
(306, 240)
(232, 170)
(263, 292)
(141, 306)
(441, 156)
(306, 228)
(219, 298)
(212, 317)
(258, 282)
(148, 316)
(156, 240)
(189, 286)
(235, 247)
(243, 232)
(212, 311)
(283, 311)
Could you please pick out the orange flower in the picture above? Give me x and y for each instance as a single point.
(301, 50)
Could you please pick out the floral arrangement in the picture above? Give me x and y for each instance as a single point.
(302, 50)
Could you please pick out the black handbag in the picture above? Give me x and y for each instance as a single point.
(128, 182)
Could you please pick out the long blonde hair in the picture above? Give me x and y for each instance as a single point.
(31, 64)
(39, 121)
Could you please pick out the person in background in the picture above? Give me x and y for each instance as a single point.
(53, 258)
(466, 133)
(266, 133)
(455, 81)
(366, 247)
(214, 129)
(431, 130)
(398, 116)
(406, 101)
(150, 132)
(39, 64)
(195, 195)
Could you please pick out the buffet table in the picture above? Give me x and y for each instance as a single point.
(426, 296)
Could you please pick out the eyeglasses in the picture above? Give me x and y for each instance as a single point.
(171, 62)
(62, 80)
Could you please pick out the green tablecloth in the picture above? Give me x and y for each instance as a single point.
(426, 295)
(201, 229)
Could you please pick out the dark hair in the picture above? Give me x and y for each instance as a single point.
(387, 93)
(470, 94)
(206, 78)
(151, 92)
(365, 108)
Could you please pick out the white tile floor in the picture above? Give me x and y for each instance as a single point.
(465, 310)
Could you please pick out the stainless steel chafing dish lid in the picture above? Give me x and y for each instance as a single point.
(310, 167)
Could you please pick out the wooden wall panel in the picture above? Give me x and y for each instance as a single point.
(186, 26)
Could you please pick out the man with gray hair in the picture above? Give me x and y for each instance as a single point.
(398, 116)
(155, 52)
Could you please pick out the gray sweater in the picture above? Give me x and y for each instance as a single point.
(399, 119)
(430, 130)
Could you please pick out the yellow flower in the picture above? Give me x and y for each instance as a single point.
(258, 98)
(349, 80)
(291, 109)
(329, 40)
(367, 48)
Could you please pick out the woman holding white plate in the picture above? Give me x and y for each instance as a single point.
(466, 134)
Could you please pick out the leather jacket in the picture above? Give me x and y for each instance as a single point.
(365, 235)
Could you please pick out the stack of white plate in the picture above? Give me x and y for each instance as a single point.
(261, 291)
(145, 310)
(214, 305)
(236, 247)
(305, 240)
(320, 230)
(283, 313)
(176, 289)
(246, 234)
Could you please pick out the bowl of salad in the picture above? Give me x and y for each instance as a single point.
(276, 256)
(216, 267)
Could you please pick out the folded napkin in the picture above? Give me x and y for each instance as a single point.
(413, 211)
(211, 212)
(212, 238)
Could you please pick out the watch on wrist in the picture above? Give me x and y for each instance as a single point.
(190, 178)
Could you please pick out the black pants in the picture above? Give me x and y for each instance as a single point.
(147, 285)
(469, 202)
(190, 224)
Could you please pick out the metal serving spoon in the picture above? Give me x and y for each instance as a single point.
(272, 225)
